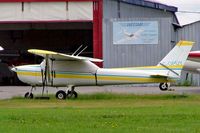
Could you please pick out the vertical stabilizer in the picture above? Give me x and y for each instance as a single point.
(173, 62)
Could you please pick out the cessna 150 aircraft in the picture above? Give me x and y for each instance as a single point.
(59, 69)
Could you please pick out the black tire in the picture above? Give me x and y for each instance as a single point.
(28, 96)
(61, 95)
(163, 86)
(72, 94)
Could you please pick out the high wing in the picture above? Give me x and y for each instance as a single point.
(61, 56)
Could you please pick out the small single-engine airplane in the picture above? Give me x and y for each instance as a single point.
(59, 69)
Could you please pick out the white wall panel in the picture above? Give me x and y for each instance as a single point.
(46, 11)
(10, 11)
(80, 10)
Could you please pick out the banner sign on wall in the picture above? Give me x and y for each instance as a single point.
(135, 32)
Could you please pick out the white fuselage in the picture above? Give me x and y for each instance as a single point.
(84, 73)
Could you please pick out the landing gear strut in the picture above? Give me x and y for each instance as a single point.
(163, 86)
(29, 95)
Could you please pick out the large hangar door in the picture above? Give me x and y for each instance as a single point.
(60, 37)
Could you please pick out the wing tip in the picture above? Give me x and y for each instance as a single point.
(39, 51)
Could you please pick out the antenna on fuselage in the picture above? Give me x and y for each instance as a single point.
(77, 50)
(81, 51)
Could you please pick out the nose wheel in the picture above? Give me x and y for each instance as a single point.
(28, 95)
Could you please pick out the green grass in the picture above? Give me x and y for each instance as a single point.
(102, 113)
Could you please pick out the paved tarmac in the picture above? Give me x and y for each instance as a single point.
(7, 92)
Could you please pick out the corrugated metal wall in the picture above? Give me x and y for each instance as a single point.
(135, 55)
(190, 32)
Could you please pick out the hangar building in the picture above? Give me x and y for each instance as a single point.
(122, 32)
(191, 32)
(58, 25)
(153, 26)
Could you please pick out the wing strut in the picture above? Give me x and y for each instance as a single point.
(44, 81)
(45, 73)
(52, 72)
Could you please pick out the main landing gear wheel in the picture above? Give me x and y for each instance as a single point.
(72, 94)
(28, 95)
(163, 86)
(61, 95)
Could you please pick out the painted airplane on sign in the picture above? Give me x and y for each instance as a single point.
(59, 69)
(130, 36)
